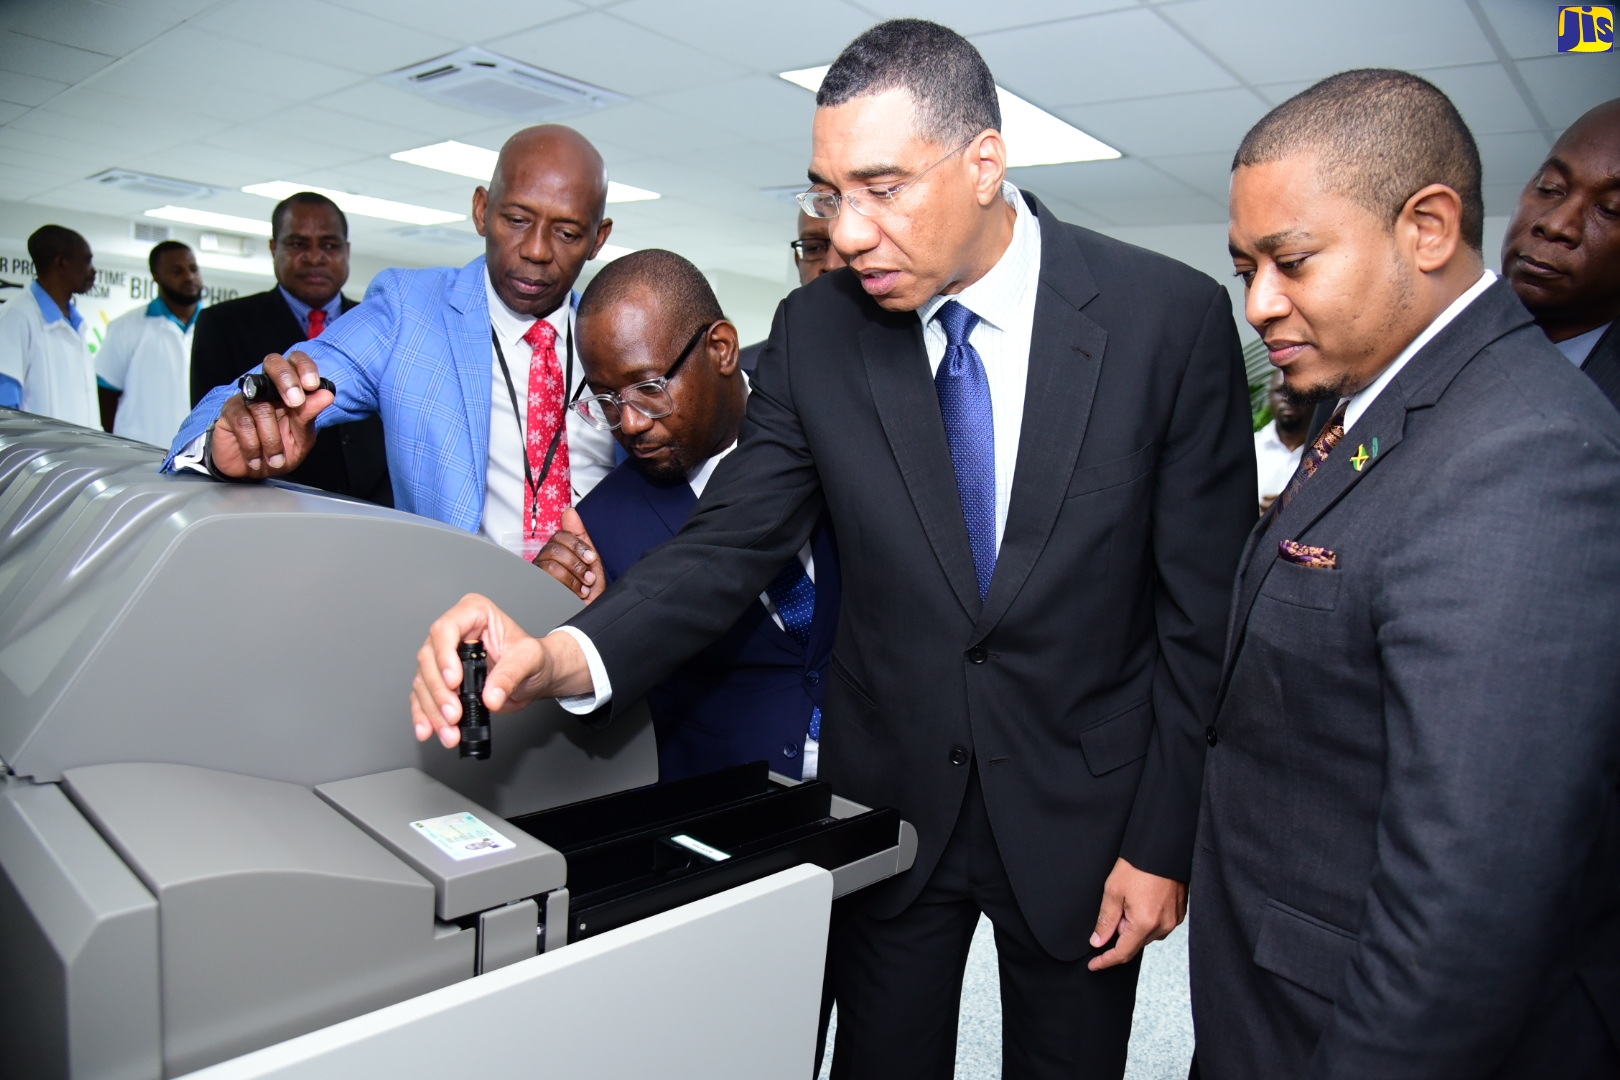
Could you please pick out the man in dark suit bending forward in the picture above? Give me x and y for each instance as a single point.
(1033, 444)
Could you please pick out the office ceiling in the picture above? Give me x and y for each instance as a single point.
(237, 92)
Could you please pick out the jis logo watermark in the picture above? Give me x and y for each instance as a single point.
(1585, 29)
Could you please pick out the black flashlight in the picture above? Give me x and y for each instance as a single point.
(474, 713)
(257, 387)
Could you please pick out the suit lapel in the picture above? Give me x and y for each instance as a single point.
(469, 333)
(1420, 384)
(1065, 360)
(672, 504)
(903, 391)
(1603, 363)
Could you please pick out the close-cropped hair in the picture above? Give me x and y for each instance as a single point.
(155, 256)
(51, 242)
(681, 286)
(945, 75)
(1380, 136)
(278, 216)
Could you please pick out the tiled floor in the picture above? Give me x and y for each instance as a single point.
(1161, 1033)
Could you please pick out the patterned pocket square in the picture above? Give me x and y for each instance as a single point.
(1317, 558)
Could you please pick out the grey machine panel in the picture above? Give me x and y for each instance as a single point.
(277, 916)
(79, 966)
(389, 805)
(262, 629)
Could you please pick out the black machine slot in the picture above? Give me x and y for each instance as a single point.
(637, 853)
(595, 821)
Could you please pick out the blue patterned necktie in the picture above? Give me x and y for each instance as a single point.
(794, 595)
(964, 403)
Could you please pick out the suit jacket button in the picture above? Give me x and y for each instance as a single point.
(790, 750)
(1210, 735)
(959, 755)
(812, 677)
(978, 654)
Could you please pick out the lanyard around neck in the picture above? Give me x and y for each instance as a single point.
(529, 481)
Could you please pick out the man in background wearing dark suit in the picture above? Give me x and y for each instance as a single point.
(661, 362)
(310, 245)
(1562, 250)
(1033, 443)
(1409, 855)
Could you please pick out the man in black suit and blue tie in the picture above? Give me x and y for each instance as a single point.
(662, 364)
(1033, 443)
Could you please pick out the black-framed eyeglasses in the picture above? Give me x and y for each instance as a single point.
(874, 200)
(812, 250)
(651, 398)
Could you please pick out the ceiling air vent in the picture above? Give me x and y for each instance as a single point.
(150, 234)
(157, 187)
(481, 81)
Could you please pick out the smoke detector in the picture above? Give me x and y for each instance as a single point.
(480, 81)
(160, 187)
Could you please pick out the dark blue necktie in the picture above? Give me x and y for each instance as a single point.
(964, 403)
(794, 595)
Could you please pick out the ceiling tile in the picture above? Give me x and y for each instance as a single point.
(1209, 174)
(1567, 85)
(85, 24)
(1501, 199)
(1511, 158)
(48, 60)
(1485, 96)
(213, 63)
(105, 138)
(1083, 182)
(21, 146)
(975, 17)
(295, 154)
(21, 89)
(1525, 30)
(615, 55)
(1124, 54)
(756, 107)
(10, 111)
(466, 22)
(1252, 35)
(165, 12)
(21, 183)
(90, 104)
(1067, 211)
(1173, 210)
(324, 33)
(653, 130)
(388, 105)
(313, 123)
(1177, 124)
(765, 37)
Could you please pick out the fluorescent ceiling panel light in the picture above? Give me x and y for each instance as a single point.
(610, 252)
(464, 159)
(228, 222)
(1034, 136)
(364, 205)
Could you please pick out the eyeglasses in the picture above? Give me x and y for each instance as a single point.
(810, 250)
(651, 398)
(873, 201)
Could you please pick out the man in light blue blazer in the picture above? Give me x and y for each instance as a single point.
(445, 356)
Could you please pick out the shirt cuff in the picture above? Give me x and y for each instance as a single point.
(602, 690)
(190, 457)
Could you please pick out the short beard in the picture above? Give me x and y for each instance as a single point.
(667, 474)
(174, 299)
(1307, 398)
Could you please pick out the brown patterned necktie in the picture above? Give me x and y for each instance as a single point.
(1314, 456)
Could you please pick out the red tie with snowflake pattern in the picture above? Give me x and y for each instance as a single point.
(546, 437)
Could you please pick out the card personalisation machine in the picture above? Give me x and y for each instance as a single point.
(223, 853)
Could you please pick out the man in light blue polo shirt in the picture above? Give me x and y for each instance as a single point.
(45, 364)
(143, 367)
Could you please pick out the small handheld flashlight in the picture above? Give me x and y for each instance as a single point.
(257, 387)
(474, 724)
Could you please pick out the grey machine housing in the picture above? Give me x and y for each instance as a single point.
(210, 794)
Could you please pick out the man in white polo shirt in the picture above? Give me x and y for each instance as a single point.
(143, 368)
(45, 365)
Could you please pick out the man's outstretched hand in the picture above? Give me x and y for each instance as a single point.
(1141, 907)
(571, 558)
(261, 440)
(521, 668)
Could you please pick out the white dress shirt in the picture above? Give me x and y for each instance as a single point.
(1359, 403)
(43, 349)
(1004, 300)
(147, 355)
(590, 450)
(1274, 462)
(1579, 347)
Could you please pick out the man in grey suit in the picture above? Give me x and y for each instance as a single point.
(1408, 858)
(1562, 249)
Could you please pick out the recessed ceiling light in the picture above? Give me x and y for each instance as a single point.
(364, 205)
(464, 159)
(1034, 136)
(228, 222)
